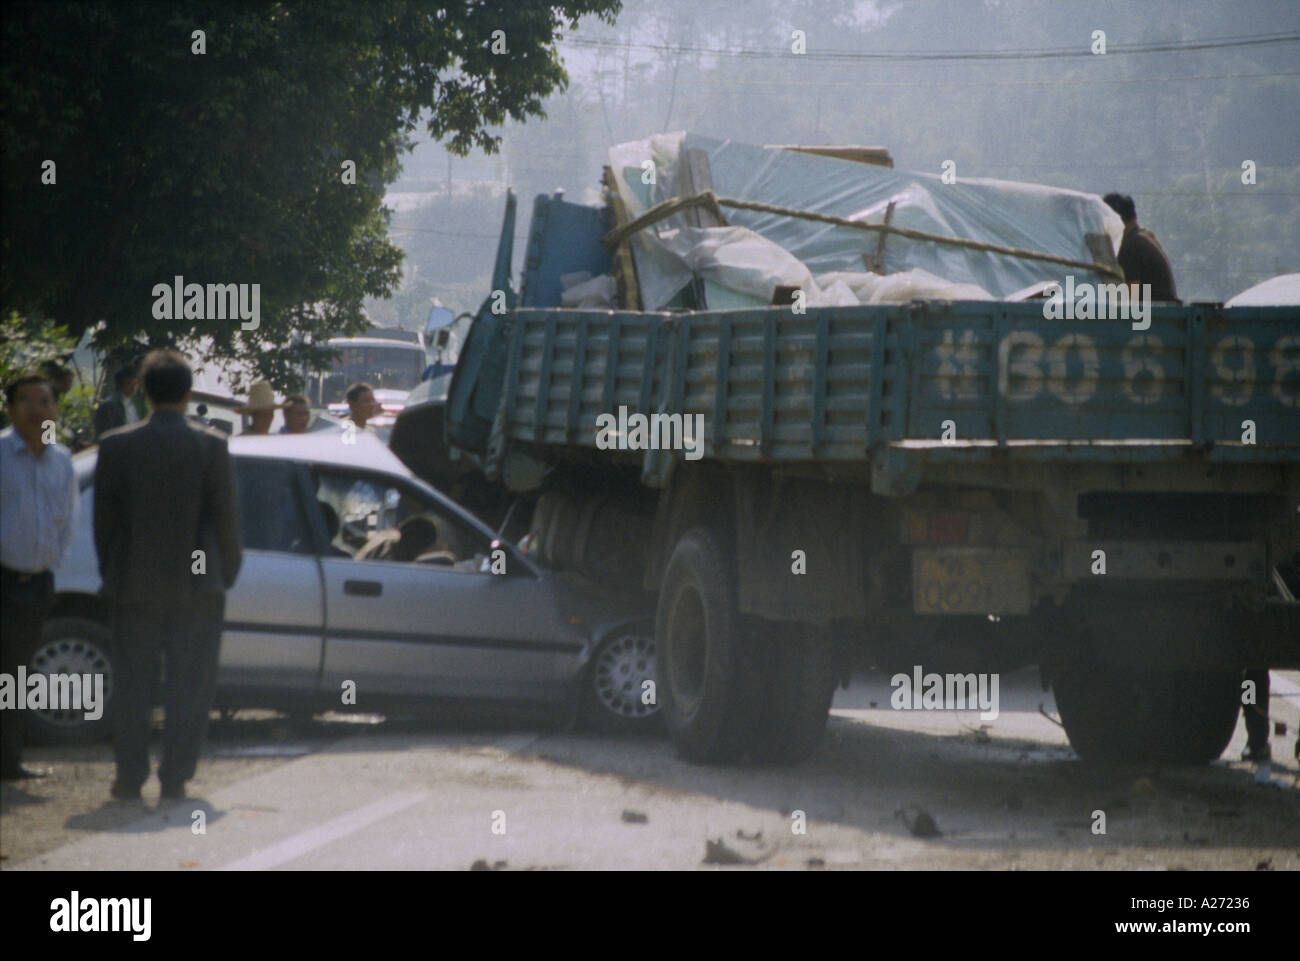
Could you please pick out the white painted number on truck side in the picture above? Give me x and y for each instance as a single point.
(1023, 366)
(1141, 356)
(958, 361)
(1285, 358)
(1070, 368)
(1026, 366)
(1234, 382)
(1086, 351)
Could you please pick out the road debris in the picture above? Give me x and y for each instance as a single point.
(744, 849)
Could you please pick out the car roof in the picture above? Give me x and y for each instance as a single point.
(375, 342)
(323, 447)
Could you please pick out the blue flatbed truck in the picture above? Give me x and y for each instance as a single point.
(1117, 506)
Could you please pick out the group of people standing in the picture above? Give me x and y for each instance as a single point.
(166, 531)
(165, 497)
(262, 405)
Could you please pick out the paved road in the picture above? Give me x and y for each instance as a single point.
(1006, 793)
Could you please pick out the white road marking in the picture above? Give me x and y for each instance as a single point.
(1279, 684)
(306, 841)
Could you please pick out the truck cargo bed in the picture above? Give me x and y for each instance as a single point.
(915, 384)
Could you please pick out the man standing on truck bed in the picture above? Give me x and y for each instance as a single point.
(1141, 257)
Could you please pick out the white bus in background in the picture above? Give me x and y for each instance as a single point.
(390, 360)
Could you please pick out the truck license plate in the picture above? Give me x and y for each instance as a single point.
(970, 580)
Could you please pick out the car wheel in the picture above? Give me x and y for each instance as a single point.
(614, 693)
(72, 645)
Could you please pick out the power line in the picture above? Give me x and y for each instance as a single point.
(927, 82)
(1052, 165)
(1168, 46)
(1235, 195)
(445, 233)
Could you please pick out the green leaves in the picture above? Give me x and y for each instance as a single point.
(226, 167)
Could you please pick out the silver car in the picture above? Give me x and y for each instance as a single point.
(361, 587)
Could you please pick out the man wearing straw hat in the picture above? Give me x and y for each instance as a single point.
(261, 408)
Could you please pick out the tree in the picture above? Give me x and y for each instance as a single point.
(217, 142)
(24, 347)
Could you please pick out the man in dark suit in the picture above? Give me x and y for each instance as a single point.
(118, 410)
(167, 534)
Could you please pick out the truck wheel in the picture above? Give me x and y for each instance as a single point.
(72, 645)
(1117, 715)
(797, 697)
(707, 668)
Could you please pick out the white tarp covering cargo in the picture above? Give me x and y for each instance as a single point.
(1280, 291)
(744, 261)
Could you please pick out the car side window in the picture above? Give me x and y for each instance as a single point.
(372, 519)
(270, 515)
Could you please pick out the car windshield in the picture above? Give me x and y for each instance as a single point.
(384, 367)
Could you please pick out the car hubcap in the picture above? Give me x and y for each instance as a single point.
(625, 663)
(71, 655)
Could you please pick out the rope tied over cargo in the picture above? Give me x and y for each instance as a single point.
(707, 198)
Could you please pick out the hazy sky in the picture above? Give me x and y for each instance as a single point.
(1169, 126)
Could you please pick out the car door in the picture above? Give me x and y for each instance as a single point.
(275, 613)
(423, 614)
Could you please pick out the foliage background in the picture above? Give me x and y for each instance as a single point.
(23, 347)
(225, 165)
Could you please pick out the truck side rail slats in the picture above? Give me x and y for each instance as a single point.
(820, 363)
(935, 381)
(1195, 357)
(571, 419)
(544, 379)
(721, 384)
(767, 417)
(876, 381)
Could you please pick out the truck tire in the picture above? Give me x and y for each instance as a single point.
(1120, 715)
(72, 645)
(707, 665)
(796, 701)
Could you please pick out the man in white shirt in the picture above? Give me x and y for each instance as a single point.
(361, 404)
(38, 518)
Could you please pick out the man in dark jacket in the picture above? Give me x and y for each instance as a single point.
(167, 534)
(1140, 256)
(118, 410)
